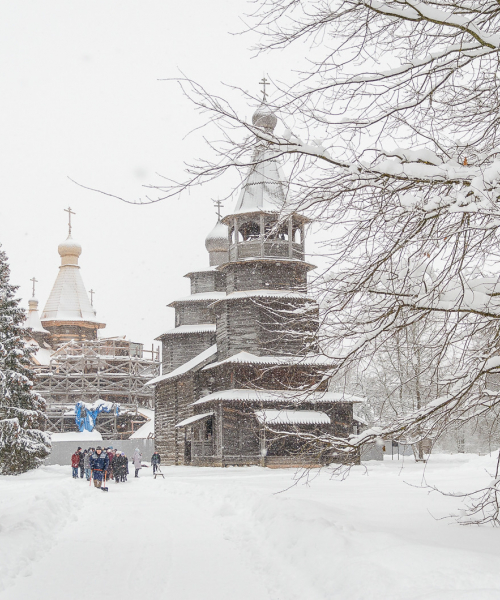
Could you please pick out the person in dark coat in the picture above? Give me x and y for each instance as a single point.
(109, 452)
(116, 466)
(86, 463)
(156, 461)
(119, 466)
(82, 462)
(99, 464)
(75, 463)
(125, 466)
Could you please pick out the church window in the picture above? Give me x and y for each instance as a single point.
(208, 430)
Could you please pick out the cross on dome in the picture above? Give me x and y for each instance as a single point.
(219, 205)
(70, 212)
(263, 83)
(34, 281)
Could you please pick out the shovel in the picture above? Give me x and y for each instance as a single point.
(104, 489)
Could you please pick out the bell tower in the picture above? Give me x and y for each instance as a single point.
(266, 271)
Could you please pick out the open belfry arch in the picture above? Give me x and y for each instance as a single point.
(74, 363)
(242, 363)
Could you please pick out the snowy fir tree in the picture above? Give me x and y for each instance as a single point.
(23, 446)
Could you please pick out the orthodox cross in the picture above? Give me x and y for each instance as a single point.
(34, 281)
(218, 204)
(263, 83)
(91, 292)
(70, 212)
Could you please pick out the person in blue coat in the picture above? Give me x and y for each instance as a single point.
(99, 463)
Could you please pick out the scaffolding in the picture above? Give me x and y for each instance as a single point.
(111, 369)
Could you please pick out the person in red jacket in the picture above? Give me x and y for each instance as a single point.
(75, 463)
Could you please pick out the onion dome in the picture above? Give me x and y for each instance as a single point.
(217, 239)
(69, 248)
(265, 118)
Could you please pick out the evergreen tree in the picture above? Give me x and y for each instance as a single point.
(23, 446)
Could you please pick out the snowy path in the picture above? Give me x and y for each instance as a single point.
(226, 534)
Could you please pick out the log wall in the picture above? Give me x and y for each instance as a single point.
(207, 281)
(172, 405)
(193, 313)
(259, 275)
(264, 326)
(179, 348)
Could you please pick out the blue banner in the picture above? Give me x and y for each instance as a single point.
(86, 416)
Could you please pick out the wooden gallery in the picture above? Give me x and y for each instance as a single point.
(242, 375)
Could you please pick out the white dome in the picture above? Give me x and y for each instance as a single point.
(69, 247)
(217, 239)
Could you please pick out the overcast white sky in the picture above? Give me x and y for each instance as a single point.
(81, 98)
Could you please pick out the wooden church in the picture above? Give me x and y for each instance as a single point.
(242, 376)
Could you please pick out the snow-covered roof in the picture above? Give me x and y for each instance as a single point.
(188, 366)
(148, 429)
(273, 396)
(193, 419)
(268, 259)
(247, 358)
(292, 417)
(199, 328)
(265, 294)
(202, 270)
(33, 320)
(264, 188)
(42, 356)
(201, 297)
(68, 300)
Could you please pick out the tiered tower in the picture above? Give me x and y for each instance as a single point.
(215, 407)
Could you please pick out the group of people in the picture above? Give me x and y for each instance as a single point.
(104, 464)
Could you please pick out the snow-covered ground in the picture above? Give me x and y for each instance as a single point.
(240, 534)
